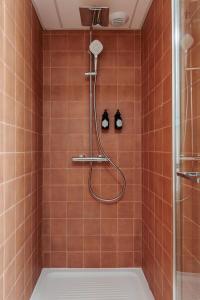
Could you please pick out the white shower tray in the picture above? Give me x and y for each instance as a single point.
(92, 284)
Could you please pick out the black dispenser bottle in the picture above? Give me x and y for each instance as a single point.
(118, 120)
(105, 120)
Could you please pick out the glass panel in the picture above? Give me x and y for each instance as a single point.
(187, 142)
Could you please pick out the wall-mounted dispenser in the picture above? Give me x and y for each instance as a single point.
(118, 120)
(105, 120)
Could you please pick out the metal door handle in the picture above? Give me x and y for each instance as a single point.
(193, 176)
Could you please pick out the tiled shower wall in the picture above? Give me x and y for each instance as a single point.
(20, 148)
(77, 230)
(157, 149)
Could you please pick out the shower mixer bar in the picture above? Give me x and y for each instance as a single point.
(82, 158)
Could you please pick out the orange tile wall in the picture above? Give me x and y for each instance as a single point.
(77, 230)
(20, 148)
(157, 149)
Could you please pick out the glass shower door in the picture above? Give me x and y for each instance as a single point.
(187, 148)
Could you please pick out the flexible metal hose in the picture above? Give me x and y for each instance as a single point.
(101, 149)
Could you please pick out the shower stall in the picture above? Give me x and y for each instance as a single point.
(89, 221)
(86, 208)
(186, 150)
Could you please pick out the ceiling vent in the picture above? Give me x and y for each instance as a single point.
(119, 18)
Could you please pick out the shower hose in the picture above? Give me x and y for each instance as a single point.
(101, 150)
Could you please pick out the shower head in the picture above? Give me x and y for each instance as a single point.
(187, 41)
(91, 16)
(96, 48)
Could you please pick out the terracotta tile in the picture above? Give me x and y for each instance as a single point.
(9, 249)
(58, 159)
(46, 227)
(108, 259)
(58, 226)
(107, 92)
(75, 142)
(75, 227)
(126, 76)
(75, 243)
(58, 76)
(108, 226)
(78, 58)
(58, 176)
(91, 243)
(109, 211)
(75, 193)
(76, 77)
(76, 41)
(108, 40)
(125, 226)
(91, 227)
(59, 59)
(46, 243)
(58, 42)
(109, 59)
(125, 210)
(9, 222)
(109, 243)
(91, 259)
(58, 193)
(126, 93)
(74, 210)
(58, 243)
(58, 109)
(91, 210)
(58, 259)
(125, 259)
(125, 59)
(109, 192)
(58, 210)
(107, 77)
(9, 278)
(75, 259)
(59, 126)
(125, 41)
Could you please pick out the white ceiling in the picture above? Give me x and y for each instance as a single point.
(64, 14)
